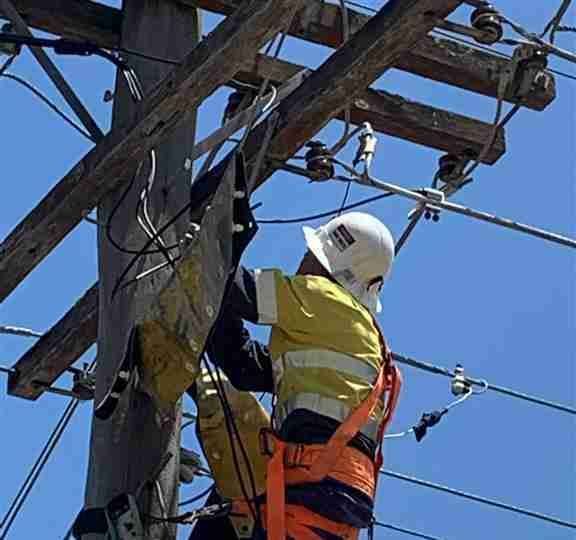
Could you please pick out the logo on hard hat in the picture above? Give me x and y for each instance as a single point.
(342, 238)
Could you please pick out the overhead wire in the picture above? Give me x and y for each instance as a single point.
(402, 530)
(30, 481)
(554, 23)
(440, 370)
(7, 63)
(484, 48)
(459, 209)
(17, 331)
(196, 498)
(322, 215)
(479, 499)
(49, 103)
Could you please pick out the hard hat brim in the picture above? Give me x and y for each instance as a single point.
(315, 246)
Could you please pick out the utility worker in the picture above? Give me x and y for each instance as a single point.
(332, 377)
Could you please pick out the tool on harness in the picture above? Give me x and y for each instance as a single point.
(487, 20)
(367, 146)
(319, 160)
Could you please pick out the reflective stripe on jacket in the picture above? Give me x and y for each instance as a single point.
(324, 345)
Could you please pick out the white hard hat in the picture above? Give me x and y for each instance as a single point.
(356, 249)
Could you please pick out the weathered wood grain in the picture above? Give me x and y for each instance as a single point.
(58, 349)
(395, 115)
(345, 75)
(441, 60)
(212, 63)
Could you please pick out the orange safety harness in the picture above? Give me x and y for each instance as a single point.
(291, 464)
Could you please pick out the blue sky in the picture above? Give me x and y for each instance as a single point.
(462, 291)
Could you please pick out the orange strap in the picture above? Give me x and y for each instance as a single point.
(347, 431)
(275, 493)
(389, 378)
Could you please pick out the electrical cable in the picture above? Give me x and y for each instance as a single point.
(49, 103)
(196, 498)
(7, 63)
(37, 468)
(22, 332)
(459, 209)
(328, 213)
(439, 370)
(405, 531)
(234, 438)
(496, 52)
(556, 20)
(479, 499)
(145, 56)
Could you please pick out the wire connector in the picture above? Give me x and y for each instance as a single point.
(430, 210)
(459, 384)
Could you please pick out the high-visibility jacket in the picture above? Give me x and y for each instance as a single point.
(325, 347)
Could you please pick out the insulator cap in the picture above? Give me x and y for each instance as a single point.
(486, 19)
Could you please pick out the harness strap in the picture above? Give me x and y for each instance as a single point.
(388, 378)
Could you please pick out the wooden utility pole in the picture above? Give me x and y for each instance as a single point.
(133, 451)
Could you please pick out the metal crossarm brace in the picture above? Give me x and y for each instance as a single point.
(53, 72)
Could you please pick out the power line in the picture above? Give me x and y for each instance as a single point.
(405, 531)
(439, 370)
(16, 331)
(458, 209)
(49, 103)
(30, 481)
(477, 498)
(328, 213)
(495, 51)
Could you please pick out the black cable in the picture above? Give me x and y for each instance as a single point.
(405, 531)
(556, 20)
(496, 52)
(345, 198)
(37, 468)
(9, 61)
(49, 103)
(153, 58)
(323, 214)
(440, 370)
(233, 437)
(196, 498)
(148, 243)
(479, 499)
